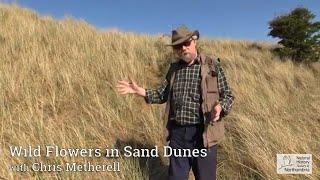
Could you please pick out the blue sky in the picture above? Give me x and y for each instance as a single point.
(246, 19)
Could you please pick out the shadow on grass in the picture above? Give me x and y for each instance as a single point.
(154, 167)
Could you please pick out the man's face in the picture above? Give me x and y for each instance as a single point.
(187, 50)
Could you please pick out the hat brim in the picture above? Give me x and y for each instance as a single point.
(182, 40)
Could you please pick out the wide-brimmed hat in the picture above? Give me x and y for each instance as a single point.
(182, 34)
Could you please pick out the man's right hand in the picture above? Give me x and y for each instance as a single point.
(125, 87)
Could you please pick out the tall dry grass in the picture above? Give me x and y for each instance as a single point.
(57, 87)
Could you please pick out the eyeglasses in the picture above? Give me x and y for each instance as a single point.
(179, 46)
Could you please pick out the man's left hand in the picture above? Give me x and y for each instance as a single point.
(216, 112)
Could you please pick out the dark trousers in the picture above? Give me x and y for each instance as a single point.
(190, 137)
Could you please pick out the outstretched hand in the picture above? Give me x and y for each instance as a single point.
(125, 87)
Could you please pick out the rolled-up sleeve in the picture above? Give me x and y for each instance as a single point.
(226, 97)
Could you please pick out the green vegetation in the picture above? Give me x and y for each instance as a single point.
(300, 36)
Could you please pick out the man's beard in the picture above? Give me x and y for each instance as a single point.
(187, 57)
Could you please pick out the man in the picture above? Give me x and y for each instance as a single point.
(197, 96)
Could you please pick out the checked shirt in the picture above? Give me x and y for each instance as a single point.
(186, 94)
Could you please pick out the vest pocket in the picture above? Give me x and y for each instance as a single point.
(212, 93)
(212, 84)
(213, 133)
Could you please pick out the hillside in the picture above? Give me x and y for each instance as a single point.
(57, 87)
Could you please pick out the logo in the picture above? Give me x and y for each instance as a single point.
(294, 163)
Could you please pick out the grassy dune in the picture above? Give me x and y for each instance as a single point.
(57, 86)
